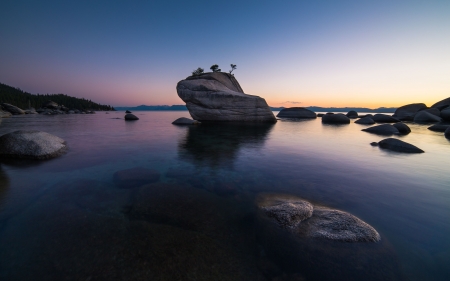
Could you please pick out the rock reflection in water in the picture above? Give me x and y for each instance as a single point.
(217, 145)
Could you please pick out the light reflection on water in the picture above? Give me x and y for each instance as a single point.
(66, 219)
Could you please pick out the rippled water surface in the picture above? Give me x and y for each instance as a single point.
(69, 219)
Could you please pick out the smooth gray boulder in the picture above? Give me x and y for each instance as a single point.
(426, 117)
(31, 145)
(5, 114)
(407, 112)
(402, 128)
(337, 118)
(385, 129)
(217, 96)
(445, 114)
(296, 112)
(439, 127)
(185, 121)
(383, 118)
(442, 104)
(365, 121)
(14, 110)
(352, 114)
(337, 225)
(399, 146)
(129, 117)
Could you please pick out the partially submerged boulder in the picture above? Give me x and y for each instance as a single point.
(383, 118)
(296, 112)
(31, 145)
(439, 127)
(402, 128)
(14, 110)
(217, 96)
(445, 114)
(131, 117)
(365, 121)
(385, 129)
(442, 104)
(399, 146)
(447, 133)
(337, 118)
(352, 114)
(127, 111)
(185, 121)
(407, 112)
(426, 117)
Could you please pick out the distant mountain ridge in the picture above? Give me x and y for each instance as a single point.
(313, 108)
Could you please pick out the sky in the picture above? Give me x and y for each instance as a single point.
(292, 53)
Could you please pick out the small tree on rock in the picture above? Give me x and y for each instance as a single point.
(233, 67)
(215, 68)
(197, 72)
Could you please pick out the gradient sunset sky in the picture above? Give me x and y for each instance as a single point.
(292, 53)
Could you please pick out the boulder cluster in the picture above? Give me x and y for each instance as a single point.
(48, 108)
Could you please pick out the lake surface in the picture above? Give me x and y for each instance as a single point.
(68, 219)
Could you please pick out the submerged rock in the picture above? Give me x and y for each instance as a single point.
(217, 96)
(365, 121)
(407, 112)
(131, 117)
(14, 110)
(185, 121)
(426, 117)
(402, 128)
(338, 118)
(385, 129)
(135, 177)
(399, 146)
(383, 118)
(296, 112)
(31, 145)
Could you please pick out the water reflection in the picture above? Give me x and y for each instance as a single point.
(218, 145)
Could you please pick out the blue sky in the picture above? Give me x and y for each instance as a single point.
(324, 53)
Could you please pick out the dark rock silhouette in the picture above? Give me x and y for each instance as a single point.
(185, 121)
(399, 146)
(407, 112)
(131, 117)
(402, 128)
(338, 118)
(426, 117)
(385, 129)
(442, 104)
(365, 121)
(439, 127)
(352, 114)
(383, 118)
(296, 112)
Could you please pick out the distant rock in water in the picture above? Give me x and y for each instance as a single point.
(352, 114)
(185, 121)
(385, 129)
(426, 117)
(135, 177)
(407, 112)
(14, 110)
(442, 104)
(127, 111)
(31, 145)
(399, 146)
(365, 121)
(383, 118)
(131, 117)
(296, 112)
(447, 133)
(217, 96)
(320, 114)
(439, 127)
(402, 128)
(337, 118)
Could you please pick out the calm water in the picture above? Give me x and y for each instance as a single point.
(67, 219)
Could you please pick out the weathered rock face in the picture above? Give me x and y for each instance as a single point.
(399, 146)
(385, 129)
(217, 96)
(365, 121)
(383, 118)
(185, 121)
(402, 128)
(442, 104)
(130, 117)
(338, 118)
(14, 110)
(288, 211)
(407, 112)
(31, 145)
(426, 117)
(296, 112)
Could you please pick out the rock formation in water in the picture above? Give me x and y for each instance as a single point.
(385, 129)
(14, 110)
(337, 118)
(426, 117)
(131, 117)
(217, 96)
(365, 121)
(402, 128)
(399, 146)
(31, 145)
(185, 121)
(383, 118)
(352, 114)
(442, 104)
(407, 112)
(296, 112)
(439, 127)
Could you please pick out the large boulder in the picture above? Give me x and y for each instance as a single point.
(399, 146)
(383, 118)
(131, 117)
(442, 104)
(352, 114)
(365, 121)
(337, 118)
(296, 112)
(407, 112)
(385, 129)
(447, 133)
(185, 121)
(445, 114)
(31, 145)
(402, 128)
(217, 96)
(439, 127)
(14, 110)
(433, 111)
(426, 117)
(51, 105)
(5, 114)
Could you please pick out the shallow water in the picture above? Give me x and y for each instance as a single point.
(67, 219)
